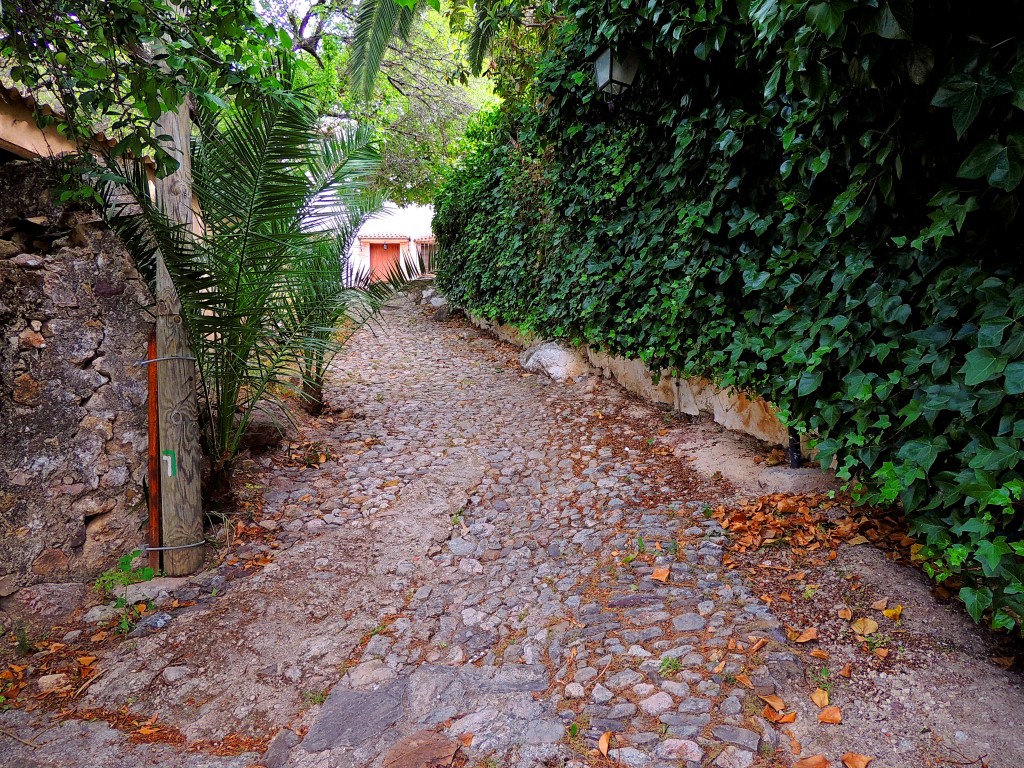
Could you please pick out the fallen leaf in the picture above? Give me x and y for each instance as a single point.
(820, 697)
(759, 644)
(845, 613)
(745, 681)
(894, 613)
(881, 605)
(603, 742)
(814, 761)
(881, 652)
(789, 717)
(830, 715)
(99, 637)
(466, 740)
(774, 700)
(660, 574)
(856, 541)
(853, 760)
(809, 634)
(147, 731)
(85, 661)
(719, 667)
(864, 626)
(820, 654)
(846, 671)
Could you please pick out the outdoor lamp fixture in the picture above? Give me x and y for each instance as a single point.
(615, 75)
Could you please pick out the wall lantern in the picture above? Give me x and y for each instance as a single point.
(614, 75)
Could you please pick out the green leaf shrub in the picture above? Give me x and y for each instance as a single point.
(817, 202)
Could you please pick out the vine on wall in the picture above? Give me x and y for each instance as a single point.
(814, 201)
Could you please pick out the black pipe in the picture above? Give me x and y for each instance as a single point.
(795, 459)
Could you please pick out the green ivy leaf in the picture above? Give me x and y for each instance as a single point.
(977, 600)
(1014, 374)
(990, 554)
(981, 366)
(828, 16)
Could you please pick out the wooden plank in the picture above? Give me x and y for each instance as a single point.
(180, 486)
(154, 455)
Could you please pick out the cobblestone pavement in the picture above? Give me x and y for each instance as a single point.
(515, 564)
(539, 624)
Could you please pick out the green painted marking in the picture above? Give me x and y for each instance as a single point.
(170, 462)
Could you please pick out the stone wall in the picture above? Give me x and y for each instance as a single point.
(696, 397)
(73, 323)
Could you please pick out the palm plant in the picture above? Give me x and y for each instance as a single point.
(260, 278)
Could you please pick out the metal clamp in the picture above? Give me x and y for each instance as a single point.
(169, 357)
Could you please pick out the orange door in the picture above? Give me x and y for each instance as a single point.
(383, 260)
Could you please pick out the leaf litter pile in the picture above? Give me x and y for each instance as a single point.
(788, 541)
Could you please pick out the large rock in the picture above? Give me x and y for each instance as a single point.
(352, 718)
(43, 603)
(268, 426)
(555, 361)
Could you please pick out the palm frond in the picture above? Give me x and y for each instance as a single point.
(378, 23)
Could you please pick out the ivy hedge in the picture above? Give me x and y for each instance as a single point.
(818, 202)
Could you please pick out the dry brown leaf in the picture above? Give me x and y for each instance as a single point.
(846, 671)
(789, 717)
(856, 541)
(603, 742)
(845, 613)
(774, 700)
(147, 731)
(466, 740)
(881, 652)
(820, 697)
(661, 574)
(820, 654)
(770, 714)
(894, 613)
(853, 760)
(99, 637)
(719, 667)
(814, 761)
(745, 681)
(809, 634)
(864, 626)
(881, 605)
(830, 715)
(85, 661)
(760, 643)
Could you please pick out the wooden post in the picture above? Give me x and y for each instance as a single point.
(154, 457)
(180, 488)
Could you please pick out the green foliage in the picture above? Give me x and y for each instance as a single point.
(123, 574)
(817, 202)
(119, 64)
(260, 283)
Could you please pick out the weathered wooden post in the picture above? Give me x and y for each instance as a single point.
(180, 486)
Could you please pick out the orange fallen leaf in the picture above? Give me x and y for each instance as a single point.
(809, 634)
(820, 697)
(745, 681)
(719, 667)
(99, 637)
(786, 597)
(881, 652)
(864, 626)
(759, 644)
(881, 605)
(894, 613)
(830, 715)
(814, 761)
(820, 654)
(853, 760)
(856, 541)
(774, 700)
(147, 731)
(603, 742)
(845, 613)
(846, 671)
(789, 717)
(466, 740)
(660, 574)
(85, 661)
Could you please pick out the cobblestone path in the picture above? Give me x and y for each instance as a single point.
(581, 591)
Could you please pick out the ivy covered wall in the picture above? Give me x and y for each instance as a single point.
(817, 202)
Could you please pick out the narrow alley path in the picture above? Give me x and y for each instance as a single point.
(455, 554)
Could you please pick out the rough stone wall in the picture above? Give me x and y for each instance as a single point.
(73, 322)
